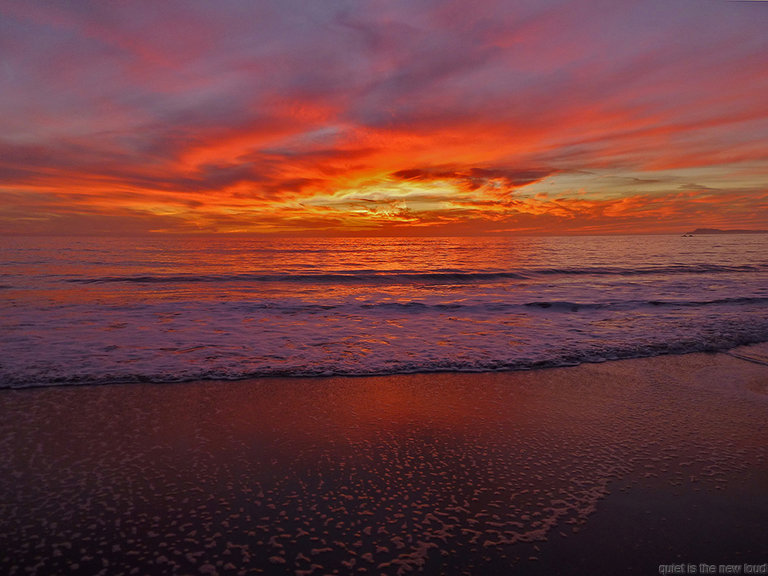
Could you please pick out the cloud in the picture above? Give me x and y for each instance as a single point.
(474, 178)
(290, 109)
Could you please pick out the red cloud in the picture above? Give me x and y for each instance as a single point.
(430, 117)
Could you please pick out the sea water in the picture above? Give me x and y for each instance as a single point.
(165, 309)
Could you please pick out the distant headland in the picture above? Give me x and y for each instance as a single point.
(719, 231)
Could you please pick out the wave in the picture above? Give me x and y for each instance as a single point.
(627, 304)
(437, 276)
(329, 278)
(568, 358)
(547, 305)
(663, 270)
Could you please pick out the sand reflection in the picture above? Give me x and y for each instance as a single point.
(445, 473)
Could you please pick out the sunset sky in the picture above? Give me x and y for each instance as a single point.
(383, 117)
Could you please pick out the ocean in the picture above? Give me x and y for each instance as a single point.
(168, 309)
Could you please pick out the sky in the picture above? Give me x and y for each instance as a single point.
(383, 117)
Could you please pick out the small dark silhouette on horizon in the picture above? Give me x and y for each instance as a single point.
(719, 231)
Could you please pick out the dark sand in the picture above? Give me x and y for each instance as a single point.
(612, 468)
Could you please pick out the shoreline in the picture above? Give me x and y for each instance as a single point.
(618, 466)
(756, 352)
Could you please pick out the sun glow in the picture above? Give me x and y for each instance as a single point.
(404, 121)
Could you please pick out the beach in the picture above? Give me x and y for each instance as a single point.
(638, 466)
(383, 288)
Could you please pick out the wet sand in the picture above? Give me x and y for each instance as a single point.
(614, 468)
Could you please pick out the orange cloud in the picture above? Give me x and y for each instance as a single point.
(395, 119)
